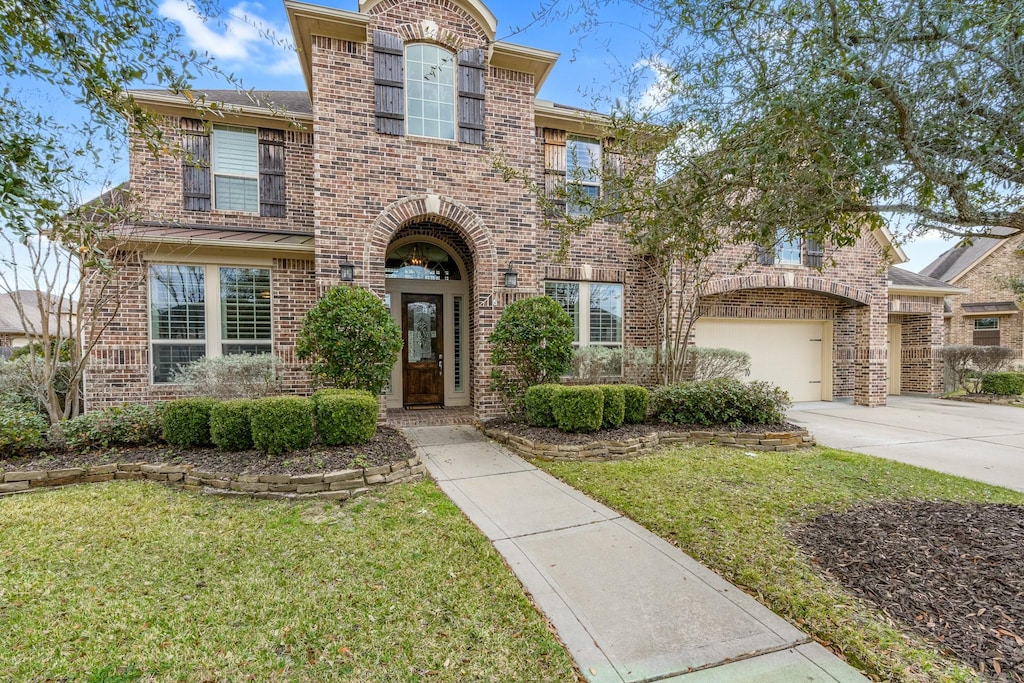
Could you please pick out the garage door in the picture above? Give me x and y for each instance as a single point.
(788, 353)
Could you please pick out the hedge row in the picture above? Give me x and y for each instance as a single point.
(1003, 383)
(585, 408)
(720, 401)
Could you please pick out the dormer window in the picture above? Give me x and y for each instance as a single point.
(430, 84)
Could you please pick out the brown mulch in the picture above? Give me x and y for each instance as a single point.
(387, 446)
(953, 572)
(560, 438)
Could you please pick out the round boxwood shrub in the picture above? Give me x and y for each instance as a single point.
(636, 401)
(350, 340)
(531, 344)
(614, 409)
(186, 422)
(281, 424)
(345, 417)
(578, 409)
(22, 428)
(131, 424)
(230, 429)
(1003, 383)
(538, 405)
(720, 401)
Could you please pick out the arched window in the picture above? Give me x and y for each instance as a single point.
(430, 77)
(421, 261)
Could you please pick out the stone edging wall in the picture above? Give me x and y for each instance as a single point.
(338, 485)
(988, 398)
(641, 445)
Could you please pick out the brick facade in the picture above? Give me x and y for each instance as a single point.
(357, 192)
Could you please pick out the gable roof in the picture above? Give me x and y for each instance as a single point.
(953, 263)
(10, 319)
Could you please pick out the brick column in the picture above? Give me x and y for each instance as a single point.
(872, 356)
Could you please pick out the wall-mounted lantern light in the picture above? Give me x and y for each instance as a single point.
(347, 271)
(511, 277)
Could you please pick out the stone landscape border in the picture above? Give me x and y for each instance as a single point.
(602, 450)
(337, 485)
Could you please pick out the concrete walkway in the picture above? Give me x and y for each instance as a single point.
(972, 440)
(628, 605)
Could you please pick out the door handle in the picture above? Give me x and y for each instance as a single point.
(440, 364)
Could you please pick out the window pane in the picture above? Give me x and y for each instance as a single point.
(235, 151)
(251, 349)
(788, 249)
(169, 358)
(245, 303)
(457, 324)
(986, 323)
(237, 194)
(430, 92)
(177, 302)
(605, 313)
(583, 159)
(568, 295)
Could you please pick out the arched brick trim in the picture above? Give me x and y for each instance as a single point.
(377, 7)
(430, 209)
(423, 32)
(788, 280)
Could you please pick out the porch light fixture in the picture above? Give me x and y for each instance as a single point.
(347, 271)
(511, 277)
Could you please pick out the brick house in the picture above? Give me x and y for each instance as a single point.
(381, 170)
(985, 311)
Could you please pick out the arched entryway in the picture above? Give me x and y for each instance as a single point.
(428, 269)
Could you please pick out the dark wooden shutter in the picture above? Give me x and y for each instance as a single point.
(614, 171)
(195, 170)
(272, 188)
(814, 254)
(555, 168)
(471, 96)
(388, 83)
(765, 256)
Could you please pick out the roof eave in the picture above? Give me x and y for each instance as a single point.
(926, 291)
(547, 115)
(524, 59)
(168, 103)
(307, 20)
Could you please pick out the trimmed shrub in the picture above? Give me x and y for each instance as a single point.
(591, 363)
(538, 405)
(532, 344)
(578, 409)
(350, 340)
(709, 362)
(966, 364)
(636, 401)
(239, 375)
(345, 417)
(1003, 383)
(187, 422)
(721, 401)
(22, 428)
(132, 424)
(281, 424)
(229, 425)
(614, 409)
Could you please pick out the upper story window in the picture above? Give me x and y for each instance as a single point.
(788, 250)
(583, 170)
(430, 81)
(236, 169)
(791, 250)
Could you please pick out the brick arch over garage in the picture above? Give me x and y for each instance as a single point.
(438, 210)
(791, 281)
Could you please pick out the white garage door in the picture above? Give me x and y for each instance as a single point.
(788, 353)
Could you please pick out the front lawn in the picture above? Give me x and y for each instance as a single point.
(733, 510)
(131, 581)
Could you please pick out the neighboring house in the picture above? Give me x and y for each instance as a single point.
(381, 172)
(21, 319)
(986, 314)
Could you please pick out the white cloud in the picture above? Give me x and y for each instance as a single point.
(241, 37)
(656, 95)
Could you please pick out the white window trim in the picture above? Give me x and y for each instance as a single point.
(986, 329)
(584, 312)
(455, 93)
(570, 179)
(214, 174)
(214, 340)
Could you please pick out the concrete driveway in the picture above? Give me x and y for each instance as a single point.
(982, 442)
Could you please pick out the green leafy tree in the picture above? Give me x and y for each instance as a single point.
(531, 345)
(818, 115)
(350, 340)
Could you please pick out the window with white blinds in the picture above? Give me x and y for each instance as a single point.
(236, 169)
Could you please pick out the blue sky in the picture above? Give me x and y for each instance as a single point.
(252, 40)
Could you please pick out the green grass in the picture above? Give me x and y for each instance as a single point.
(126, 582)
(730, 509)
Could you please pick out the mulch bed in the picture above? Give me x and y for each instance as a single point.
(953, 572)
(387, 446)
(560, 438)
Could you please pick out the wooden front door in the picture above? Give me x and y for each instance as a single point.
(422, 358)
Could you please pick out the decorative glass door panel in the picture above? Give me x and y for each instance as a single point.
(422, 358)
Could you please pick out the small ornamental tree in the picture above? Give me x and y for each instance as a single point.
(532, 344)
(350, 340)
